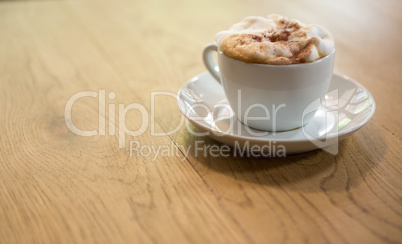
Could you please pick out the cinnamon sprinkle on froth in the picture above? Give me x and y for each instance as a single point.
(275, 40)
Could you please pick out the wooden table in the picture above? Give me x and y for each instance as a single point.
(59, 187)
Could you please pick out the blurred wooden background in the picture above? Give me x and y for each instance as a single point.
(58, 187)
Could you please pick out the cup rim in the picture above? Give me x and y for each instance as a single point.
(280, 65)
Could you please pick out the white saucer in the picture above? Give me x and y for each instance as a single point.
(346, 108)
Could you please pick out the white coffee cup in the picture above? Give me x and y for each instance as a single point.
(271, 97)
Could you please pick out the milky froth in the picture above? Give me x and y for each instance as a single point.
(275, 40)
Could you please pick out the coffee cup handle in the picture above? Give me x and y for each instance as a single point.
(209, 61)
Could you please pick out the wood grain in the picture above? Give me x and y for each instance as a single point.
(58, 187)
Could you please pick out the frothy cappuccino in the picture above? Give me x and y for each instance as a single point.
(275, 40)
